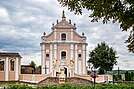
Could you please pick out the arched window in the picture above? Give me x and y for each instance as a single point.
(63, 55)
(1, 65)
(12, 64)
(63, 36)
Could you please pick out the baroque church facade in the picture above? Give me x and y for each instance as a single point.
(63, 54)
(63, 50)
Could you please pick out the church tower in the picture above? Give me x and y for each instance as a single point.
(63, 49)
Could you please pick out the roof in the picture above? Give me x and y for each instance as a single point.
(63, 23)
(3, 54)
(27, 66)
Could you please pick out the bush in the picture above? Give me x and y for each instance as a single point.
(67, 86)
(19, 87)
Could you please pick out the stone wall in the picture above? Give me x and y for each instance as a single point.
(78, 81)
(69, 80)
(49, 81)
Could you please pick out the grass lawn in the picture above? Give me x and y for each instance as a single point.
(7, 83)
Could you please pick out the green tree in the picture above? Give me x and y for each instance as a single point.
(103, 57)
(32, 64)
(121, 11)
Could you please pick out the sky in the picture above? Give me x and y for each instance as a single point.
(23, 22)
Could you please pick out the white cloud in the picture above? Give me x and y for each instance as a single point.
(4, 17)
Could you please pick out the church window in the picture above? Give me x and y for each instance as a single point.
(79, 55)
(47, 55)
(1, 65)
(12, 62)
(63, 55)
(63, 36)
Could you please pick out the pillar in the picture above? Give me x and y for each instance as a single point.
(84, 58)
(54, 34)
(71, 34)
(16, 69)
(76, 58)
(7, 70)
(43, 61)
(51, 56)
(55, 58)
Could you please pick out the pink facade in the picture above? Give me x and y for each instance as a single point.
(63, 48)
(10, 64)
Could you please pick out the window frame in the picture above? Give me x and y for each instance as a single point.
(10, 64)
(61, 54)
(3, 65)
(63, 38)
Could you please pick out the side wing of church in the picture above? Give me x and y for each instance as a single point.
(63, 50)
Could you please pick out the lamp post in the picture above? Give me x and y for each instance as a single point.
(93, 71)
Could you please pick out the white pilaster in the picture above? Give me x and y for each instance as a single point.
(71, 54)
(80, 67)
(55, 58)
(54, 34)
(55, 51)
(71, 34)
(76, 58)
(51, 56)
(43, 61)
(47, 68)
(6, 72)
(84, 59)
(16, 69)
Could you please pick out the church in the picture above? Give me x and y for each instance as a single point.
(63, 49)
(63, 58)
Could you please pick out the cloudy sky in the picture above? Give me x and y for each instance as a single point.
(22, 23)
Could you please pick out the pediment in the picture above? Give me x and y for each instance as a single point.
(64, 24)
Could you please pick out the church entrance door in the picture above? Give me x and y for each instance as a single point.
(65, 72)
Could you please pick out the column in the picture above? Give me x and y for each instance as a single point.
(76, 58)
(55, 58)
(84, 58)
(55, 51)
(6, 72)
(71, 34)
(43, 56)
(16, 69)
(71, 54)
(51, 56)
(54, 34)
(80, 67)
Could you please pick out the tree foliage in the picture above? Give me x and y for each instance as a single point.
(104, 57)
(32, 64)
(121, 11)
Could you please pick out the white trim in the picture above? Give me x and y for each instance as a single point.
(65, 41)
(16, 69)
(66, 36)
(6, 72)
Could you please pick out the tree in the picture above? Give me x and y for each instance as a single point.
(32, 64)
(103, 57)
(121, 11)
